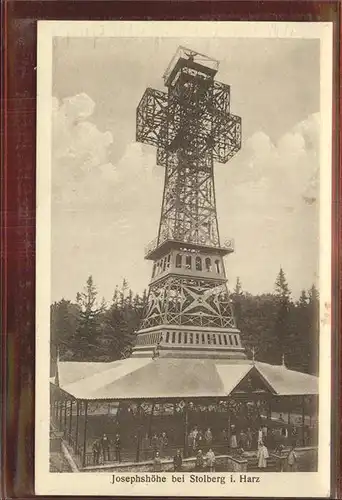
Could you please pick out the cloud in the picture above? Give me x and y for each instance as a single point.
(268, 201)
(79, 148)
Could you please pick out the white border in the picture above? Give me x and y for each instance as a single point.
(271, 484)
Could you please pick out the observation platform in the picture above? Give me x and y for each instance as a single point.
(154, 250)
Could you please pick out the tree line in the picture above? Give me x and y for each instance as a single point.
(274, 327)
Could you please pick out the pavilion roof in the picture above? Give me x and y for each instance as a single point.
(145, 378)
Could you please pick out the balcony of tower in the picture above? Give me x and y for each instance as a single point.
(154, 250)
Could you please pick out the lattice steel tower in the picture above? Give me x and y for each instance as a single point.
(189, 311)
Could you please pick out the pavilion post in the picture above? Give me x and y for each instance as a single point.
(85, 433)
(303, 420)
(229, 423)
(57, 413)
(150, 422)
(186, 425)
(70, 420)
(76, 430)
(269, 408)
(138, 433)
(289, 413)
(65, 417)
(60, 414)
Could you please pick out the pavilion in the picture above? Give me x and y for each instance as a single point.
(147, 383)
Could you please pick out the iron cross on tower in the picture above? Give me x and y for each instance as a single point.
(189, 311)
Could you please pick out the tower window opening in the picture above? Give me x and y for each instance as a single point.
(198, 264)
(188, 262)
(217, 266)
(164, 264)
(214, 339)
(225, 339)
(178, 260)
(220, 339)
(208, 339)
(197, 338)
(191, 338)
(203, 338)
(154, 270)
(179, 337)
(185, 338)
(230, 340)
(168, 261)
(167, 337)
(208, 264)
(173, 337)
(236, 340)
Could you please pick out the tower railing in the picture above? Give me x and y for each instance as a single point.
(228, 244)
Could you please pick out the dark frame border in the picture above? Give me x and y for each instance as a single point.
(18, 197)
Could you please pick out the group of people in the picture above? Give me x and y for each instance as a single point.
(202, 462)
(200, 444)
(103, 446)
(199, 439)
(154, 446)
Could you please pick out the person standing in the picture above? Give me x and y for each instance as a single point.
(249, 435)
(162, 443)
(291, 460)
(243, 440)
(157, 462)
(105, 447)
(224, 436)
(199, 464)
(154, 444)
(190, 441)
(117, 447)
(262, 456)
(145, 447)
(264, 434)
(210, 458)
(194, 438)
(208, 436)
(177, 462)
(200, 440)
(233, 440)
(96, 451)
(260, 436)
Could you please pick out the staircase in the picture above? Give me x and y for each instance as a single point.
(272, 465)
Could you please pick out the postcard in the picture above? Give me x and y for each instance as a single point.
(183, 258)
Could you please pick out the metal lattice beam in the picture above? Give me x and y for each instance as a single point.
(191, 126)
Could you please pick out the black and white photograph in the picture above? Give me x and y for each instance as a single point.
(183, 258)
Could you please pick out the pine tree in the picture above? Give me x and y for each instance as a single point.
(282, 290)
(303, 299)
(236, 298)
(115, 299)
(313, 295)
(87, 333)
(313, 329)
(282, 327)
(123, 290)
(238, 287)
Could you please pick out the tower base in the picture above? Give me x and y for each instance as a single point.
(188, 342)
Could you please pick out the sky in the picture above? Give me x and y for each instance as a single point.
(107, 189)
